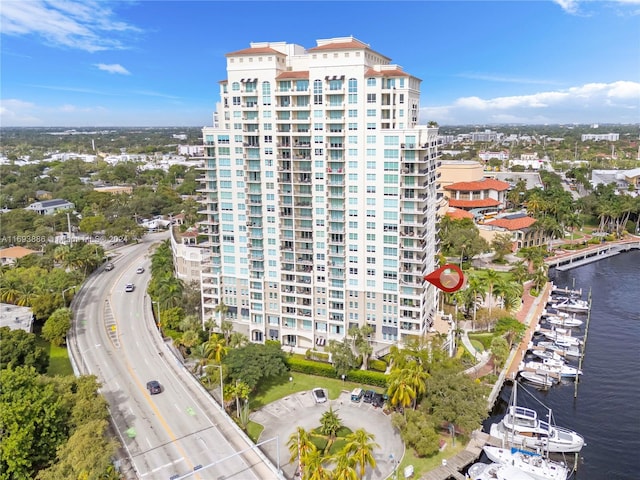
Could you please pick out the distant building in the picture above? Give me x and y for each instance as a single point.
(191, 150)
(622, 179)
(15, 317)
(115, 189)
(486, 156)
(49, 207)
(597, 137)
(486, 136)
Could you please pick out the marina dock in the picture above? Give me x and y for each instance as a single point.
(572, 259)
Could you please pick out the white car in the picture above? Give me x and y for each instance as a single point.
(129, 287)
(140, 270)
(318, 395)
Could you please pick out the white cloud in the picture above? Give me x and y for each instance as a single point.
(573, 7)
(113, 68)
(85, 25)
(616, 102)
(20, 113)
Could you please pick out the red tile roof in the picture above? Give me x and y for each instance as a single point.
(485, 202)
(351, 45)
(255, 51)
(16, 252)
(484, 184)
(300, 74)
(512, 224)
(458, 214)
(386, 73)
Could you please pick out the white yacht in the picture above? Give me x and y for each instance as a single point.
(521, 427)
(496, 471)
(533, 464)
(553, 367)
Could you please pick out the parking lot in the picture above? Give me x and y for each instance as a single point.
(280, 419)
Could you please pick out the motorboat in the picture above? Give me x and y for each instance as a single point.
(496, 471)
(533, 464)
(567, 351)
(563, 321)
(522, 428)
(572, 305)
(551, 367)
(537, 379)
(562, 337)
(547, 354)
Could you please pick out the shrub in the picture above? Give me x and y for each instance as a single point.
(318, 356)
(377, 365)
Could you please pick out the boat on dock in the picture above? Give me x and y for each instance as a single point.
(563, 321)
(496, 471)
(521, 427)
(566, 350)
(553, 368)
(571, 305)
(561, 337)
(537, 379)
(533, 464)
(547, 354)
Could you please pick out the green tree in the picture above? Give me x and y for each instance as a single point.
(255, 362)
(342, 356)
(300, 445)
(87, 454)
(502, 245)
(19, 348)
(32, 422)
(57, 325)
(360, 336)
(500, 350)
(511, 329)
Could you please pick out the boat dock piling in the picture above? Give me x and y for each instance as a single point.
(584, 344)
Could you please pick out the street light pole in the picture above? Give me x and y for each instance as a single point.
(221, 388)
(64, 300)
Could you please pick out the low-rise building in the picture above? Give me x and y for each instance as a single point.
(520, 226)
(49, 207)
(8, 256)
(16, 317)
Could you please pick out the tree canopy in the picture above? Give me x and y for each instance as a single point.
(255, 362)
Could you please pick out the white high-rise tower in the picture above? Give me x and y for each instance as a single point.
(320, 196)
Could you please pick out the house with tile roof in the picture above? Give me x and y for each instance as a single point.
(8, 256)
(521, 226)
(479, 197)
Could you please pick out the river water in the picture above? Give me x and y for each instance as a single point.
(607, 408)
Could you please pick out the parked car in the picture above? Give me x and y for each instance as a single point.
(154, 387)
(368, 396)
(356, 395)
(140, 270)
(318, 395)
(129, 287)
(377, 400)
(108, 267)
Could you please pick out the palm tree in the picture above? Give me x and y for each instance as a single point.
(300, 446)
(314, 467)
(330, 423)
(344, 469)
(519, 272)
(199, 354)
(238, 339)
(221, 309)
(490, 279)
(400, 391)
(476, 290)
(360, 445)
(216, 348)
(9, 289)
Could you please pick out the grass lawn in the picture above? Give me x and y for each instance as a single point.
(424, 465)
(254, 430)
(277, 388)
(59, 363)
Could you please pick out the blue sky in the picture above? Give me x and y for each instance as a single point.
(147, 63)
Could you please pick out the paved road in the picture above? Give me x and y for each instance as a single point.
(179, 433)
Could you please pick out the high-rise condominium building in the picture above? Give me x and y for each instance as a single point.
(320, 196)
